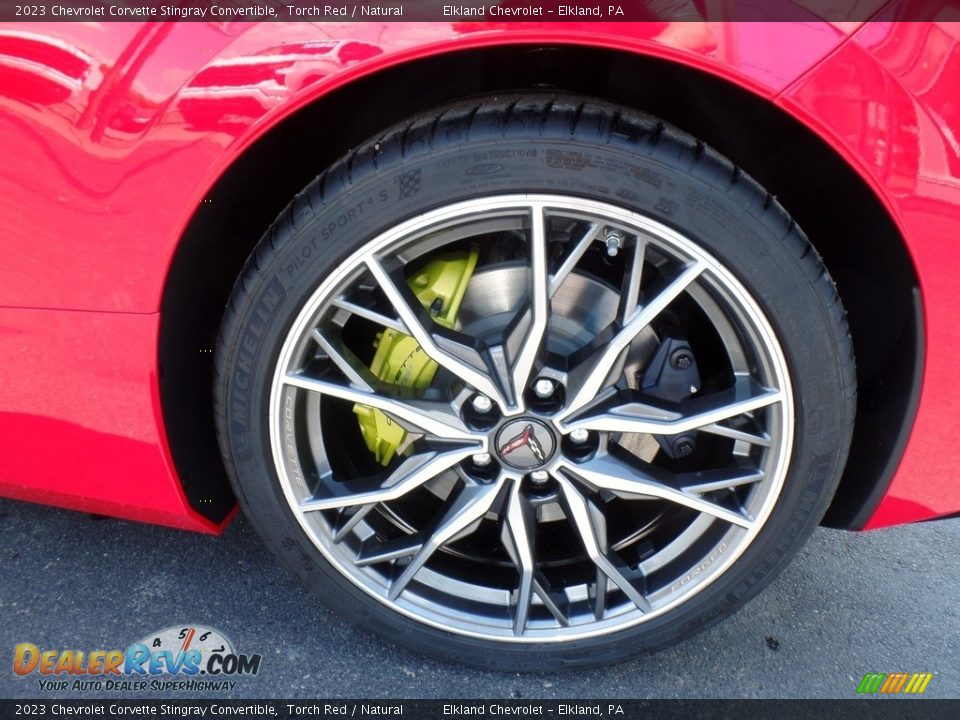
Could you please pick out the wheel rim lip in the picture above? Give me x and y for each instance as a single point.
(501, 204)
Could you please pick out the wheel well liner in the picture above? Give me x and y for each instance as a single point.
(822, 192)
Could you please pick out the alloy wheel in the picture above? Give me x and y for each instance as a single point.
(560, 476)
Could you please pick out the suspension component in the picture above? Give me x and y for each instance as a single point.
(672, 375)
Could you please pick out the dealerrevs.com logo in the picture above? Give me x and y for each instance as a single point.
(188, 658)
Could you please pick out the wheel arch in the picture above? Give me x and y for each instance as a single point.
(808, 176)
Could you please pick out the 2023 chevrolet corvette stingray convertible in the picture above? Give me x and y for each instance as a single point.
(523, 345)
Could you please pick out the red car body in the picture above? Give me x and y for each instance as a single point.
(116, 136)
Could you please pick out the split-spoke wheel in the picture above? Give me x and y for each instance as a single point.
(529, 393)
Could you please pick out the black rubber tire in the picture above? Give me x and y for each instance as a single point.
(538, 143)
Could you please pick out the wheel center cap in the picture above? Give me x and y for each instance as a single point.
(525, 443)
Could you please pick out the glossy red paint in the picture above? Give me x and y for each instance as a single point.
(119, 132)
(79, 423)
(131, 108)
(889, 101)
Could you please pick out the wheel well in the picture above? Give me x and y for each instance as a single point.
(825, 196)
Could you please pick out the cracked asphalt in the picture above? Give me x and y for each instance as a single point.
(849, 604)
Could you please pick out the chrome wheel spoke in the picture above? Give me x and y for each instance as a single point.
(533, 324)
(554, 601)
(519, 537)
(368, 314)
(623, 480)
(754, 438)
(373, 553)
(412, 473)
(460, 518)
(350, 521)
(723, 479)
(344, 359)
(580, 513)
(592, 375)
(573, 257)
(482, 380)
(435, 418)
(700, 412)
(630, 294)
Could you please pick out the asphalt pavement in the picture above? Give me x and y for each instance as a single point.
(884, 601)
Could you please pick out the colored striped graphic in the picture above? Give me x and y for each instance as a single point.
(893, 683)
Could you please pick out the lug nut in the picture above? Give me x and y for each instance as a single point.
(539, 477)
(482, 404)
(543, 388)
(614, 241)
(482, 459)
(580, 435)
(684, 447)
(681, 359)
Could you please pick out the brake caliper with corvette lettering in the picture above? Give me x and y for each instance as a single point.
(439, 286)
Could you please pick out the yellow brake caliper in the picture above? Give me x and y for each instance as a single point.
(439, 286)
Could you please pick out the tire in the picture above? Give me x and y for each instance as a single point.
(763, 314)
